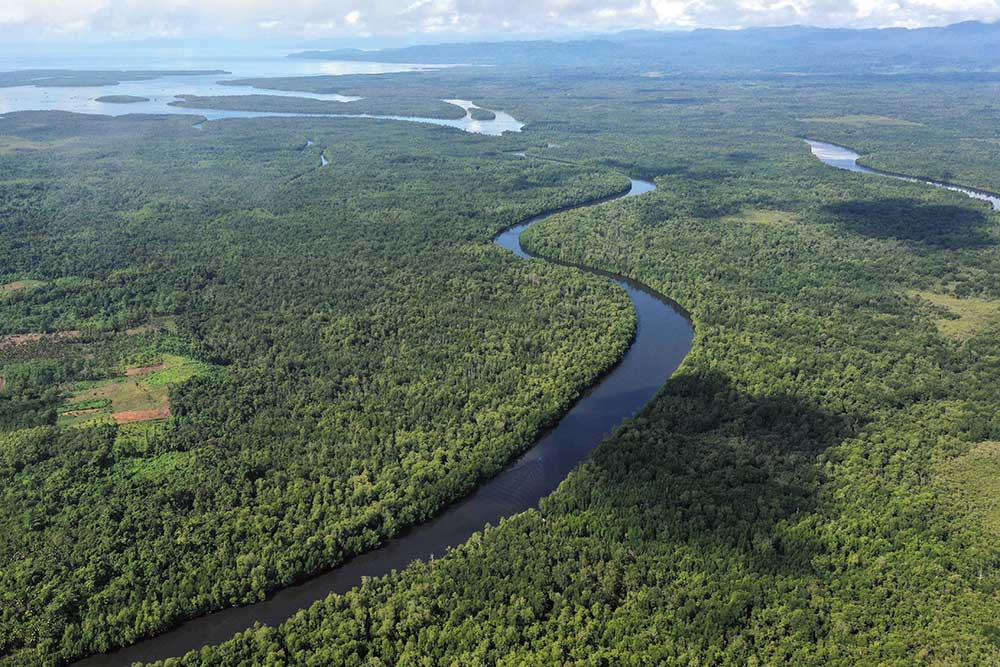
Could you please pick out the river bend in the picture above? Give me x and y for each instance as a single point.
(842, 157)
(663, 337)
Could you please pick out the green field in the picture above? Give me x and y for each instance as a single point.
(965, 317)
(140, 394)
(971, 487)
(862, 120)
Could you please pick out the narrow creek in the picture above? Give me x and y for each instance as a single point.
(664, 336)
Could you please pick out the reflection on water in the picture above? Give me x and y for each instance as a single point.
(161, 91)
(503, 122)
(845, 158)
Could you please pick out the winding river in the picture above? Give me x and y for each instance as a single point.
(844, 158)
(663, 338)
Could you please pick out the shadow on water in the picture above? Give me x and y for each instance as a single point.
(937, 225)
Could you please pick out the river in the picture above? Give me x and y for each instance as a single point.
(159, 93)
(663, 337)
(844, 158)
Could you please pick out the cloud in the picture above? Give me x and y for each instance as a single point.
(333, 18)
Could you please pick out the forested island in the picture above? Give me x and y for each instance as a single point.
(383, 105)
(121, 99)
(481, 114)
(224, 369)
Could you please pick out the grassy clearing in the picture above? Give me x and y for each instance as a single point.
(862, 120)
(21, 285)
(13, 340)
(11, 144)
(140, 394)
(24, 284)
(116, 397)
(84, 406)
(175, 369)
(763, 217)
(962, 318)
(155, 325)
(971, 484)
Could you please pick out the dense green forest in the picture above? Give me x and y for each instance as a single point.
(368, 355)
(812, 488)
(808, 490)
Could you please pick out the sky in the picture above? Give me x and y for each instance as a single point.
(283, 19)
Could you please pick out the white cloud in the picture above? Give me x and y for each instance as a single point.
(12, 15)
(138, 18)
(671, 12)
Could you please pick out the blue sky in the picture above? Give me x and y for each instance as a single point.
(131, 19)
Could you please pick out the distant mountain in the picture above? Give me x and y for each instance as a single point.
(969, 47)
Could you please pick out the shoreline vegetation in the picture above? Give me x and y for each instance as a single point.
(383, 106)
(798, 493)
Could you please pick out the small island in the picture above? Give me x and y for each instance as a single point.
(481, 114)
(121, 99)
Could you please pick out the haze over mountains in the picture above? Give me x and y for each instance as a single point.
(958, 48)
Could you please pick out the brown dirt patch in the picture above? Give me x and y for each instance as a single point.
(140, 415)
(21, 284)
(12, 340)
(144, 370)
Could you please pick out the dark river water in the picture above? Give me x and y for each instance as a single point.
(663, 338)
